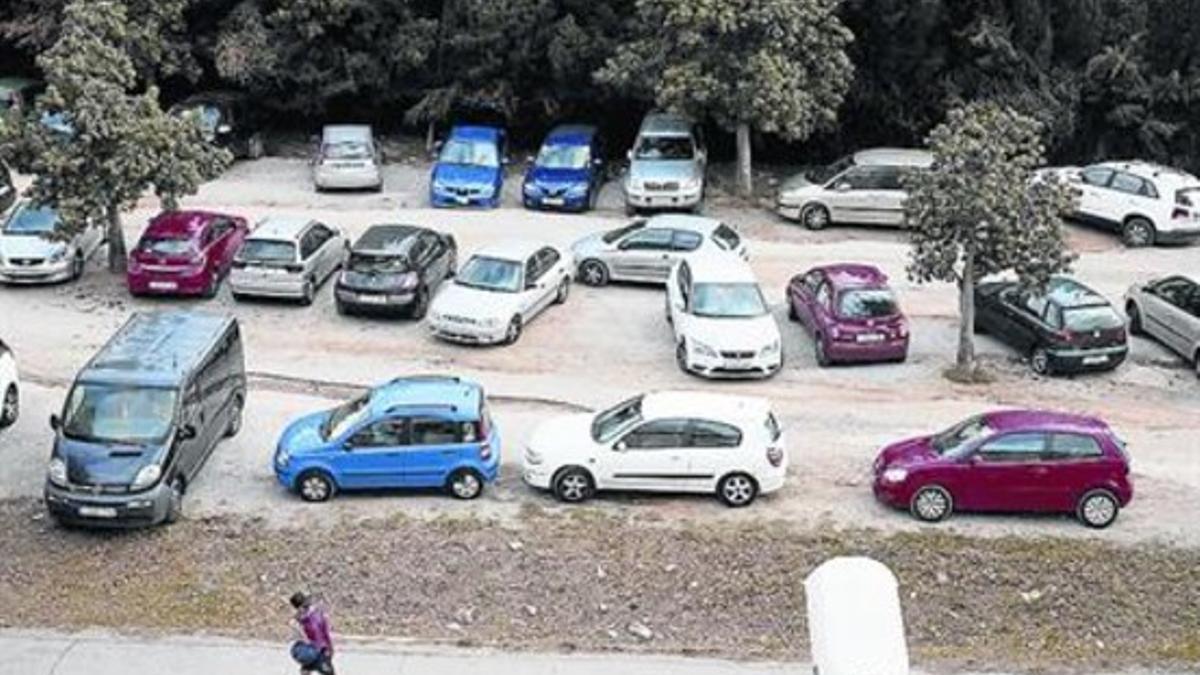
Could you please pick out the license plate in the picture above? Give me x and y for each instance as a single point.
(372, 299)
(462, 200)
(554, 201)
(869, 337)
(1092, 360)
(97, 512)
(163, 285)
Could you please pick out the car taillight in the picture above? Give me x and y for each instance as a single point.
(1180, 213)
(485, 450)
(775, 456)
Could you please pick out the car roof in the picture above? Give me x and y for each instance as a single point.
(451, 396)
(704, 405)
(853, 275)
(1146, 169)
(684, 222)
(893, 157)
(1043, 420)
(281, 228)
(346, 133)
(665, 124)
(709, 266)
(571, 134)
(1066, 292)
(512, 249)
(188, 223)
(157, 348)
(476, 132)
(387, 238)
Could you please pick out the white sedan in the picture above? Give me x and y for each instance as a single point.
(37, 247)
(730, 446)
(498, 292)
(10, 388)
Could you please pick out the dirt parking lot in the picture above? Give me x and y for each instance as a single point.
(604, 344)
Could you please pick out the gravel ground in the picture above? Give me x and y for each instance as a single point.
(599, 583)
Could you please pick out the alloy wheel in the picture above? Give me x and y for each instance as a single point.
(738, 490)
(466, 485)
(573, 486)
(1040, 361)
(1098, 510)
(514, 330)
(815, 217)
(1139, 232)
(315, 488)
(594, 273)
(564, 289)
(931, 504)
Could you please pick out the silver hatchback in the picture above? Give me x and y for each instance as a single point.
(1168, 310)
(287, 258)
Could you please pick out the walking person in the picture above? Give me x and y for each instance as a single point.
(315, 652)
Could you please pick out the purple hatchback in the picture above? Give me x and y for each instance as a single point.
(851, 314)
(1009, 461)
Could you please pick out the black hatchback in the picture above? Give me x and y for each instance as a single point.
(1069, 328)
(395, 268)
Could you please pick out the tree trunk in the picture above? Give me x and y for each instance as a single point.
(116, 240)
(745, 177)
(966, 313)
(429, 136)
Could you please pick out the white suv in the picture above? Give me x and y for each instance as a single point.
(10, 388)
(723, 327)
(1146, 203)
(731, 446)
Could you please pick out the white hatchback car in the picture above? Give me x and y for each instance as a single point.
(723, 327)
(731, 446)
(1146, 203)
(10, 388)
(348, 159)
(287, 257)
(498, 291)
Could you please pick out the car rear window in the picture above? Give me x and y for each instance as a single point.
(346, 150)
(867, 303)
(166, 246)
(726, 237)
(710, 434)
(686, 240)
(431, 431)
(266, 250)
(1084, 319)
(1074, 445)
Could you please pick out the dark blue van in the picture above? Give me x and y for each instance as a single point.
(142, 418)
(568, 172)
(470, 168)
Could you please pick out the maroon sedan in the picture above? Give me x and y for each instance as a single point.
(1010, 461)
(185, 253)
(851, 314)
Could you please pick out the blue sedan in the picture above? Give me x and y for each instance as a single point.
(568, 171)
(469, 169)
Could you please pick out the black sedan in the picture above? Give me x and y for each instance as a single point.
(1065, 329)
(395, 268)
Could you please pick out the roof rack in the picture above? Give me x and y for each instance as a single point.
(421, 406)
(425, 378)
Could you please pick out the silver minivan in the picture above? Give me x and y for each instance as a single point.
(287, 258)
(865, 188)
(666, 165)
(348, 159)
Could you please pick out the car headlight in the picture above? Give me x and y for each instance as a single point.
(533, 457)
(146, 477)
(56, 471)
(490, 322)
(439, 186)
(701, 349)
(578, 190)
(59, 254)
(771, 349)
(693, 184)
(895, 475)
(530, 189)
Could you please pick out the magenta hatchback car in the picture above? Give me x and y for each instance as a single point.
(1010, 461)
(851, 314)
(185, 253)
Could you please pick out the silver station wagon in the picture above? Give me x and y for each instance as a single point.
(286, 257)
(1168, 310)
(646, 250)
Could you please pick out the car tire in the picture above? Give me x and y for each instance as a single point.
(514, 331)
(464, 484)
(309, 293)
(819, 351)
(814, 217)
(593, 273)
(214, 284)
(315, 486)
(235, 421)
(681, 357)
(792, 315)
(175, 503)
(1138, 232)
(564, 290)
(1097, 509)
(737, 490)
(931, 504)
(10, 407)
(78, 263)
(1135, 319)
(237, 297)
(630, 210)
(342, 308)
(1039, 361)
(421, 304)
(573, 485)
(452, 268)
(1196, 362)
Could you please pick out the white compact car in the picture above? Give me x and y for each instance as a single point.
(723, 327)
(645, 250)
(865, 188)
(348, 159)
(1146, 203)
(34, 247)
(498, 292)
(10, 388)
(287, 258)
(731, 446)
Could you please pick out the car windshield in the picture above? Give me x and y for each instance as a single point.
(609, 423)
(867, 303)
(32, 220)
(266, 250)
(665, 147)
(953, 439)
(101, 413)
(824, 174)
(345, 417)
(728, 301)
(346, 150)
(490, 274)
(475, 153)
(1097, 317)
(564, 156)
(166, 245)
(368, 263)
(617, 234)
(207, 114)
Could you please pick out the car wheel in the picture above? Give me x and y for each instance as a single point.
(1135, 319)
(932, 504)
(10, 408)
(815, 217)
(514, 331)
(1098, 509)
(593, 198)
(235, 420)
(564, 289)
(593, 273)
(1138, 232)
(464, 484)
(574, 485)
(77, 265)
(1196, 362)
(315, 486)
(1040, 361)
(214, 284)
(309, 293)
(452, 268)
(737, 490)
(175, 505)
(681, 359)
(421, 304)
(792, 315)
(630, 210)
(822, 355)
(342, 308)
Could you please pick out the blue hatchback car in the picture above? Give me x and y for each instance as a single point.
(470, 168)
(413, 432)
(568, 171)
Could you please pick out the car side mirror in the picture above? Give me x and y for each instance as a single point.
(55, 422)
(842, 186)
(186, 433)
(621, 446)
